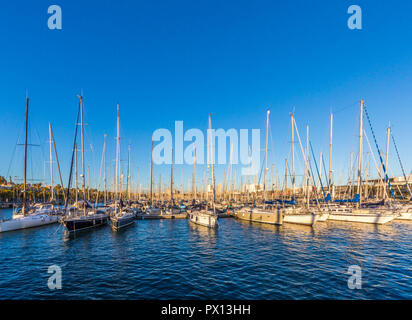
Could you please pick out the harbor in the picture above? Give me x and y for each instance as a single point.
(234, 244)
(171, 259)
(231, 151)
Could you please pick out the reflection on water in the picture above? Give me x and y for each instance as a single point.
(167, 259)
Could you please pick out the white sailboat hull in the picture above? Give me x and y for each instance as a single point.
(323, 217)
(122, 220)
(306, 219)
(404, 216)
(373, 218)
(203, 219)
(26, 222)
(260, 216)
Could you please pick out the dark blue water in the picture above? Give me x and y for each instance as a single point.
(164, 259)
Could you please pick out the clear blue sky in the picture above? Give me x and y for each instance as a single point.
(179, 60)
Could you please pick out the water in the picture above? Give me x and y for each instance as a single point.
(166, 259)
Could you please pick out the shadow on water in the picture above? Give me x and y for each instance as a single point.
(67, 236)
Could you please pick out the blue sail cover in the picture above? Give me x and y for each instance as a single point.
(327, 199)
(292, 202)
(354, 200)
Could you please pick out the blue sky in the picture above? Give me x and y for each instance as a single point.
(179, 60)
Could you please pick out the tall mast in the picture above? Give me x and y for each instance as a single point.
(82, 146)
(57, 160)
(367, 176)
(25, 157)
(88, 182)
(151, 178)
(293, 154)
(388, 133)
(104, 172)
(212, 160)
(207, 168)
(117, 176)
(194, 173)
(359, 191)
(351, 173)
(266, 155)
(330, 154)
(286, 176)
(138, 185)
(75, 172)
(51, 164)
(82, 141)
(128, 177)
(249, 160)
(171, 180)
(307, 166)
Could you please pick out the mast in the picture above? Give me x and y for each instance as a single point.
(266, 155)
(51, 164)
(249, 160)
(330, 154)
(367, 176)
(117, 176)
(25, 158)
(194, 173)
(151, 178)
(320, 169)
(82, 141)
(388, 133)
(57, 160)
(293, 155)
(212, 162)
(207, 168)
(359, 191)
(104, 172)
(128, 177)
(307, 166)
(138, 185)
(171, 180)
(75, 171)
(88, 182)
(286, 176)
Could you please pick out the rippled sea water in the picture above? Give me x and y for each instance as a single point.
(172, 259)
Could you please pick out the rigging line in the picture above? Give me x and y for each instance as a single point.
(345, 108)
(310, 173)
(100, 173)
(373, 157)
(71, 164)
(380, 155)
(13, 154)
(400, 162)
(400, 192)
(324, 169)
(272, 143)
(316, 165)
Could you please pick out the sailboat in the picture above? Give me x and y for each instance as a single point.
(172, 211)
(28, 217)
(270, 215)
(300, 215)
(361, 215)
(82, 216)
(122, 217)
(207, 218)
